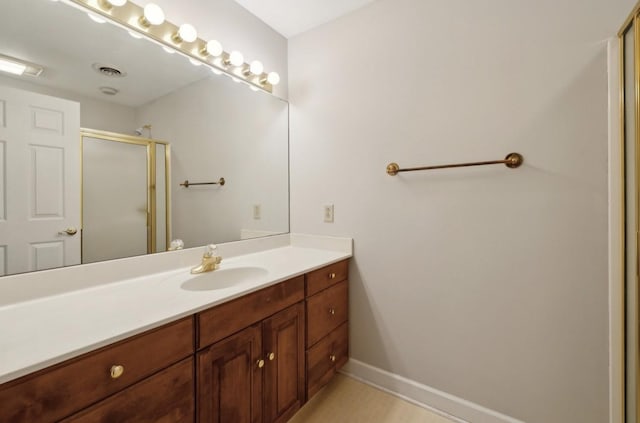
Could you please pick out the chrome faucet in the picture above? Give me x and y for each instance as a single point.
(210, 261)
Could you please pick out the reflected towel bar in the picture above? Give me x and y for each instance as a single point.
(513, 161)
(187, 184)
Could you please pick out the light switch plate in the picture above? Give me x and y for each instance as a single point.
(328, 213)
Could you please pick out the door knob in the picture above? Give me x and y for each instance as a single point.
(260, 363)
(69, 231)
(272, 356)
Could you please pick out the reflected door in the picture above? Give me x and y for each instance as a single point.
(114, 199)
(39, 182)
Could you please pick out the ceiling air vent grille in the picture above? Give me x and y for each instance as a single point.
(108, 71)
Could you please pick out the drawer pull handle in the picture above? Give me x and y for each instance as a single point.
(332, 275)
(332, 357)
(260, 364)
(116, 371)
(272, 356)
(332, 311)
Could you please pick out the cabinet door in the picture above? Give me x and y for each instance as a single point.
(230, 379)
(283, 338)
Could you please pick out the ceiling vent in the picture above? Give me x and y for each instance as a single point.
(108, 71)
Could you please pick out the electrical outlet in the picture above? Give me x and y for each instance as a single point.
(257, 212)
(328, 213)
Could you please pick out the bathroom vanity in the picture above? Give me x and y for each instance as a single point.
(257, 354)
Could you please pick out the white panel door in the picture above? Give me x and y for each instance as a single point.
(39, 181)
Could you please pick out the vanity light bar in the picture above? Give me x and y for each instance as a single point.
(152, 24)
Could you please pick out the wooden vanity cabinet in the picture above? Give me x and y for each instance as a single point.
(57, 392)
(165, 397)
(327, 337)
(255, 375)
(255, 359)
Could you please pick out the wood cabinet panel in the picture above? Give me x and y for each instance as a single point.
(323, 278)
(325, 358)
(61, 390)
(167, 397)
(230, 380)
(283, 341)
(223, 320)
(326, 311)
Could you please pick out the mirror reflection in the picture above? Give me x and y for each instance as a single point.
(96, 149)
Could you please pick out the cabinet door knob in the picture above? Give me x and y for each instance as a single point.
(260, 363)
(272, 356)
(116, 371)
(332, 311)
(332, 358)
(332, 275)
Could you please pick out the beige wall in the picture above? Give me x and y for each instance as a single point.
(94, 114)
(488, 284)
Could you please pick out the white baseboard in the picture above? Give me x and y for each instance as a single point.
(447, 405)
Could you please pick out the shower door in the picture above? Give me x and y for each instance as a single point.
(120, 206)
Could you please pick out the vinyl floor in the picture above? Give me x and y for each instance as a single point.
(345, 400)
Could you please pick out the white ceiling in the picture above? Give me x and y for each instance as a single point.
(292, 17)
(67, 43)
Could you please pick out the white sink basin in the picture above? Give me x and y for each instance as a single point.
(224, 278)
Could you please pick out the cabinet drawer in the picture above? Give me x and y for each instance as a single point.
(327, 276)
(326, 311)
(226, 319)
(325, 358)
(166, 397)
(59, 391)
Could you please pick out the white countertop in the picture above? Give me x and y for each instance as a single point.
(44, 331)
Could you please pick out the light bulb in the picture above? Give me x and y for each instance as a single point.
(273, 78)
(188, 33)
(256, 67)
(153, 15)
(214, 48)
(236, 58)
(96, 18)
(117, 3)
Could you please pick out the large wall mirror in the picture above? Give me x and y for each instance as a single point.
(95, 150)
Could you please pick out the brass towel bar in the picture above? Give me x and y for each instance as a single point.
(513, 160)
(187, 184)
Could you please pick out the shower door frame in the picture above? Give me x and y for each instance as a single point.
(151, 147)
(630, 377)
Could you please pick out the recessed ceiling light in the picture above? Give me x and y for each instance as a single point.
(109, 90)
